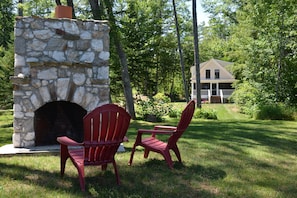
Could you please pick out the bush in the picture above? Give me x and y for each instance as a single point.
(161, 97)
(275, 112)
(173, 113)
(245, 96)
(206, 114)
(154, 109)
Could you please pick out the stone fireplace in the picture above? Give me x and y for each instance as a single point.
(61, 72)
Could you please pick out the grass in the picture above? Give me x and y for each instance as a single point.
(230, 157)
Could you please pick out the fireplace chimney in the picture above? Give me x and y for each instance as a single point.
(61, 70)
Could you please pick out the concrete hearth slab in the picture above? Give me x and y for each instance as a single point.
(9, 149)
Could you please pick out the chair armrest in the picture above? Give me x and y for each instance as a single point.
(68, 142)
(150, 131)
(171, 128)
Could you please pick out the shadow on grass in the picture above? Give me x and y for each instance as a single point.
(151, 179)
(36, 177)
(245, 133)
(155, 179)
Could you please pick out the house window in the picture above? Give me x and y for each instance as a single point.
(205, 86)
(207, 74)
(217, 73)
(194, 86)
(225, 86)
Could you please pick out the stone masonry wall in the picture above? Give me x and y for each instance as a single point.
(57, 60)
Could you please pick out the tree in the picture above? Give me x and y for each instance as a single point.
(146, 34)
(6, 71)
(182, 64)
(6, 53)
(41, 8)
(6, 22)
(196, 54)
(123, 60)
(260, 36)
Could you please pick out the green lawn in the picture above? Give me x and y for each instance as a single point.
(230, 157)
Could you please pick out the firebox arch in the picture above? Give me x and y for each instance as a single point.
(58, 118)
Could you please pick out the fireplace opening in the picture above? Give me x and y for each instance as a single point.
(56, 119)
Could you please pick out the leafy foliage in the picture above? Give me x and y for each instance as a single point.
(205, 114)
(246, 97)
(260, 36)
(6, 22)
(6, 70)
(153, 109)
(275, 112)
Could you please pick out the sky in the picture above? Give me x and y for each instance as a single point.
(201, 15)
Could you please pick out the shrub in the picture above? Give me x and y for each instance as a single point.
(173, 113)
(245, 95)
(275, 112)
(161, 97)
(206, 114)
(154, 109)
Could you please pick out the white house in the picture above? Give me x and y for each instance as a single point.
(215, 79)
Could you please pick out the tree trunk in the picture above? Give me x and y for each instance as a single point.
(196, 53)
(123, 60)
(182, 64)
(58, 2)
(70, 3)
(20, 10)
(281, 56)
(97, 10)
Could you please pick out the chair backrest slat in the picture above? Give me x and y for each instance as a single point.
(184, 122)
(104, 128)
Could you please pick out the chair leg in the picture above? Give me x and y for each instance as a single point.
(168, 159)
(132, 155)
(146, 153)
(116, 172)
(81, 175)
(177, 153)
(64, 155)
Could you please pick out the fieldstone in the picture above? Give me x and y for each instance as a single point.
(35, 101)
(53, 24)
(104, 55)
(45, 94)
(59, 56)
(19, 60)
(62, 88)
(43, 34)
(18, 114)
(79, 79)
(36, 45)
(87, 57)
(28, 34)
(85, 35)
(19, 43)
(97, 45)
(103, 72)
(47, 74)
(16, 139)
(71, 27)
(79, 95)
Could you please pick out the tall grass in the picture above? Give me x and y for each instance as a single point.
(234, 157)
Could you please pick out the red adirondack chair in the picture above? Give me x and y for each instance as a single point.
(153, 144)
(104, 129)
